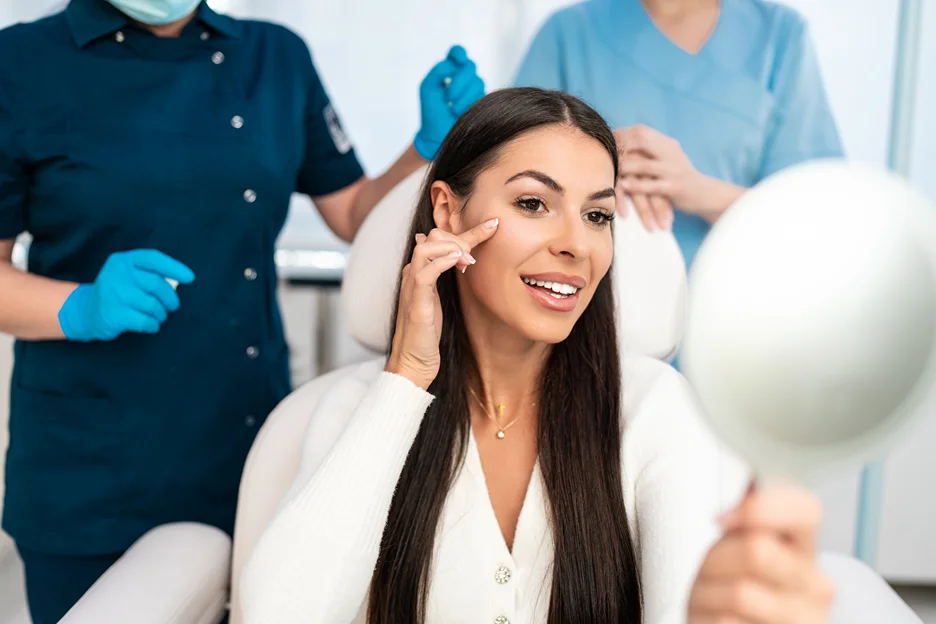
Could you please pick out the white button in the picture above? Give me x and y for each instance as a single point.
(217, 58)
(502, 575)
(119, 37)
(237, 121)
(250, 274)
(253, 352)
(204, 36)
(250, 196)
(250, 421)
(500, 619)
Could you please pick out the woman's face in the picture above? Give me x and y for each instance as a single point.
(552, 190)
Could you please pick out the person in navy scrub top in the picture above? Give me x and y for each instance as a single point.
(708, 98)
(151, 148)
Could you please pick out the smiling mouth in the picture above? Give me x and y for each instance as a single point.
(558, 290)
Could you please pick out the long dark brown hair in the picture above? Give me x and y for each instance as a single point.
(595, 578)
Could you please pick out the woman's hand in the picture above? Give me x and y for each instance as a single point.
(415, 350)
(657, 175)
(764, 571)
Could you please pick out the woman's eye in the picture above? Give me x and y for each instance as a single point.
(530, 204)
(598, 217)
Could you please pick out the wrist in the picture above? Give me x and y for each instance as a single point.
(426, 148)
(72, 313)
(396, 367)
(713, 197)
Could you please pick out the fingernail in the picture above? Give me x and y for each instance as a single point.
(490, 225)
(470, 258)
(455, 254)
(464, 268)
(420, 238)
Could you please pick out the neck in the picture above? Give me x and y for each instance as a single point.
(669, 8)
(510, 366)
(172, 30)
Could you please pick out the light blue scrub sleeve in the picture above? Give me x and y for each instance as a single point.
(801, 126)
(543, 65)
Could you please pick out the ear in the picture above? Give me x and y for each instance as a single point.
(444, 206)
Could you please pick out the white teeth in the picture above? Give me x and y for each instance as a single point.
(557, 287)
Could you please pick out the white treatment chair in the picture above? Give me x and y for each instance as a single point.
(175, 574)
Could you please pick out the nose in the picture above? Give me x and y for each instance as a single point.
(571, 239)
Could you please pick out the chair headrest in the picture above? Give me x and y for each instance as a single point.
(649, 277)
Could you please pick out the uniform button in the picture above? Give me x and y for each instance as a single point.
(500, 619)
(253, 352)
(204, 36)
(237, 121)
(119, 36)
(217, 58)
(250, 274)
(250, 421)
(502, 575)
(250, 196)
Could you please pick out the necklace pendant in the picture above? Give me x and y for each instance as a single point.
(501, 435)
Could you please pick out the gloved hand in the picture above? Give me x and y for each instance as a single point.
(447, 91)
(130, 294)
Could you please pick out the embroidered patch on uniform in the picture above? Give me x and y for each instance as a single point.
(342, 142)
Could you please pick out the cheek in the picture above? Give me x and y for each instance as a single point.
(513, 243)
(602, 255)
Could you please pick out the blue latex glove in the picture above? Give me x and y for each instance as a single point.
(130, 294)
(447, 91)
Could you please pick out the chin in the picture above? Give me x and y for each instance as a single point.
(546, 331)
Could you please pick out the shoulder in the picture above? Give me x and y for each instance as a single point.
(660, 412)
(645, 379)
(332, 399)
(282, 46)
(28, 52)
(23, 41)
(782, 23)
(566, 21)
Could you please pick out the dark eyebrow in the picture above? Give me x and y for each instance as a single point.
(608, 192)
(540, 177)
(555, 186)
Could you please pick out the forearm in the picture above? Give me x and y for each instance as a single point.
(315, 561)
(374, 189)
(29, 304)
(715, 197)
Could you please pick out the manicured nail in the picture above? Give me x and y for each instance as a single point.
(455, 254)
(491, 224)
(464, 268)
(470, 258)
(420, 238)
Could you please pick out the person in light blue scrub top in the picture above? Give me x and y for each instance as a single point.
(708, 98)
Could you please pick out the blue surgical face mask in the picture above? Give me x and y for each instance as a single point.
(156, 12)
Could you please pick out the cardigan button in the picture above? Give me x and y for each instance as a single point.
(502, 576)
(501, 620)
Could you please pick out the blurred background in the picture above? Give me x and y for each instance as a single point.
(354, 42)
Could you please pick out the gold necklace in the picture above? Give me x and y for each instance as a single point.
(501, 431)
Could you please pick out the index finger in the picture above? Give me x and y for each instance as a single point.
(479, 233)
(159, 263)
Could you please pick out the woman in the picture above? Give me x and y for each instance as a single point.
(708, 97)
(482, 475)
(144, 142)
